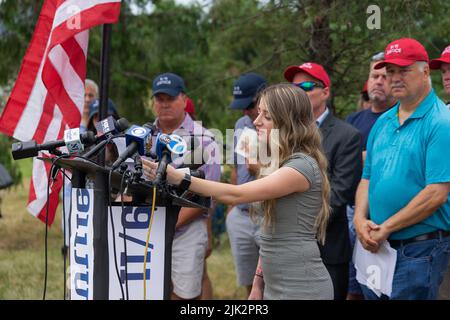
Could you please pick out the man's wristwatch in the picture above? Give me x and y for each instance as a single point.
(185, 183)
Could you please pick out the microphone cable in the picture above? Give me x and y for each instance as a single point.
(46, 234)
(114, 234)
(64, 231)
(148, 241)
(66, 251)
(124, 232)
(50, 177)
(53, 177)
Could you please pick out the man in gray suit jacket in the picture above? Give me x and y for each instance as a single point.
(342, 146)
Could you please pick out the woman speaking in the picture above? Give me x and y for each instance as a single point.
(294, 198)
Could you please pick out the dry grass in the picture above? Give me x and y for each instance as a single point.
(22, 254)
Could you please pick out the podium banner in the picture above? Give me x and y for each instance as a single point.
(81, 244)
(136, 221)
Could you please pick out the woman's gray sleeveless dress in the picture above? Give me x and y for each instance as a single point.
(289, 252)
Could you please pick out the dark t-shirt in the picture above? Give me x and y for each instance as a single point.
(363, 121)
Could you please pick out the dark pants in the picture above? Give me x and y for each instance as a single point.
(444, 289)
(339, 277)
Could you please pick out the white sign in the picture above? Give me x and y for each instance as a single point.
(81, 245)
(136, 220)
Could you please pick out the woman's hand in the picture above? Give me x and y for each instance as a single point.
(257, 292)
(174, 177)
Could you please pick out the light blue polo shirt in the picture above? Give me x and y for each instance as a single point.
(403, 160)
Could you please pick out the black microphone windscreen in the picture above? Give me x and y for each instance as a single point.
(122, 124)
(88, 138)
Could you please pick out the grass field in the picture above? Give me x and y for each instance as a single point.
(22, 253)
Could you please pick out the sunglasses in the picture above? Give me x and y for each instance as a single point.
(378, 56)
(308, 85)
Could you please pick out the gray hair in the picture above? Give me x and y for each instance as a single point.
(421, 65)
(93, 84)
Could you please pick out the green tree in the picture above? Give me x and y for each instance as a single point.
(211, 47)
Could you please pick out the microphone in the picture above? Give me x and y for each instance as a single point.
(74, 141)
(165, 146)
(138, 139)
(198, 174)
(137, 167)
(107, 128)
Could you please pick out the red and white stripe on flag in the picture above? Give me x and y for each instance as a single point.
(48, 95)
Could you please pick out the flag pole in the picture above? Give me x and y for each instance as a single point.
(104, 77)
(101, 191)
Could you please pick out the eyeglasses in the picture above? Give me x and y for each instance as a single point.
(308, 85)
(378, 56)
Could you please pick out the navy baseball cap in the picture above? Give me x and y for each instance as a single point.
(95, 105)
(168, 83)
(246, 88)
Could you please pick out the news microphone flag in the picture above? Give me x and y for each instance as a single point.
(48, 95)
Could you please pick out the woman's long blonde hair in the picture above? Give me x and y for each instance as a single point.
(291, 113)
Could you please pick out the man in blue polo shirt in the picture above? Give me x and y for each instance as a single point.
(406, 177)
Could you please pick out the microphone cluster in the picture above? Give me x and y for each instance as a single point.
(139, 142)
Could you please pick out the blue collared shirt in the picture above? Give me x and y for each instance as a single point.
(403, 159)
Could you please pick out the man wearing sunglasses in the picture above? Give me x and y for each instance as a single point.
(342, 145)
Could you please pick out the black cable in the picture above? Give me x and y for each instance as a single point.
(124, 234)
(50, 176)
(46, 233)
(46, 220)
(114, 233)
(64, 231)
(70, 221)
(65, 175)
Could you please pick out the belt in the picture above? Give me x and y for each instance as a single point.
(439, 234)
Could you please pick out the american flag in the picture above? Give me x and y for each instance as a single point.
(48, 95)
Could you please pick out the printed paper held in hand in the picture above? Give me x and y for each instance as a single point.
(375, 270)
(247, 144)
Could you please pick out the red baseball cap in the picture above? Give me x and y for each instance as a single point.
(403, 52)
(364, 89)
(313, 69)
(190, 108)
(445, 58)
